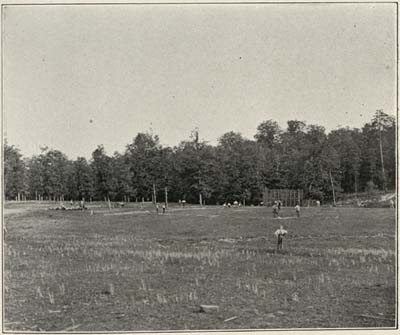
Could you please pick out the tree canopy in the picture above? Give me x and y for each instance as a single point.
(302, 156)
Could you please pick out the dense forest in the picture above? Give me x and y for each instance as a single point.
(303, 156)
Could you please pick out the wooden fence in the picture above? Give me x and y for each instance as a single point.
(288, 198)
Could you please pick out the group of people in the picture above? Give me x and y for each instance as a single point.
(281, 232)
(80, 206)
(276, 207)
(235, 204)
(164, 208)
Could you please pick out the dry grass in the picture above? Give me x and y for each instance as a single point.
(152, 272)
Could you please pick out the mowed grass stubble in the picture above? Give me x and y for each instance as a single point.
(119, 270)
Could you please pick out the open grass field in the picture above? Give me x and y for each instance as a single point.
(127, 269)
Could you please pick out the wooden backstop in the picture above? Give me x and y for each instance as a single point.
(288, 198)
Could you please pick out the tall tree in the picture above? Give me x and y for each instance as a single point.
(378, 145)
(143, 156)
(268, 138)
(48, 174)
(83, 178)
(122, 187)
(14, 173)
(294, 154)
(102, 173)
(195, 164)
(240, 179)
(345, 142)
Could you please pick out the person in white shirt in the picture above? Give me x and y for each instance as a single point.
(297, 207)
(279, 234)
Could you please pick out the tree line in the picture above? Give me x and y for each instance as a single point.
(302, 156)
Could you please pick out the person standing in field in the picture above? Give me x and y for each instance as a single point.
(275, 210)
(280, 233)
(163, 209)
(157, 208)
(297, 208)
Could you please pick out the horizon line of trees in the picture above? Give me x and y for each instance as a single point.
(300, 157)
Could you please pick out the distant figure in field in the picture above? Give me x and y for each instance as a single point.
(235, 203)
(391, 203)
(183, 203)
(318, 203)
(280, 233)
(275, 210)
(224, 205)
(71, 202)
(157, 208)
(262, 203)
(279, 205)
(163, 209)
(82, 204)
(297, 208)
(180, 202)
(229, 205)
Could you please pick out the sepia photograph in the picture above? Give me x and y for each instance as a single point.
(183, 167)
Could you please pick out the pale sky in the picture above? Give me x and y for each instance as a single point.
(79, 76)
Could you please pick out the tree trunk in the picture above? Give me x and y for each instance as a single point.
(355, 185)
(381, 150)
(333, 188)
(154, 194)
